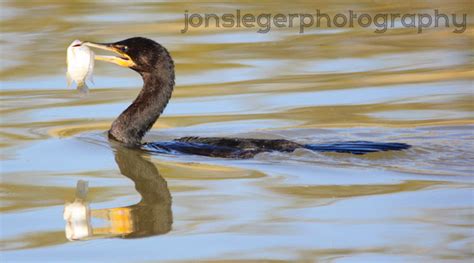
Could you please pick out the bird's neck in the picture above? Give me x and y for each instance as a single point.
(139, 117)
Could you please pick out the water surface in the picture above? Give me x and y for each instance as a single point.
(322, 86)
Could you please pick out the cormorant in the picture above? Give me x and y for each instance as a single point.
(154, 63)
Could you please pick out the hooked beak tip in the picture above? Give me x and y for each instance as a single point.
(122, 60)
(105, 46)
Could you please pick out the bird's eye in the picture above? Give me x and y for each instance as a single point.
(122, 48)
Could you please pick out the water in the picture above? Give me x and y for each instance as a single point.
(325, 85)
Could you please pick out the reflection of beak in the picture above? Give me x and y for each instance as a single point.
(122, 60)
(120, 221)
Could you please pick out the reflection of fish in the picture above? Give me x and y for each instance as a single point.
(78, 214)
(80, 64)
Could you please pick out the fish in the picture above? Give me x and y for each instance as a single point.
(80, 65)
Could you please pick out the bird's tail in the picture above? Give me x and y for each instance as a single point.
(357, 147)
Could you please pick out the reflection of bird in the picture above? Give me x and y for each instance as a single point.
(151, 216)
(153, 62)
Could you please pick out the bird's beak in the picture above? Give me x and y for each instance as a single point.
(122, 60)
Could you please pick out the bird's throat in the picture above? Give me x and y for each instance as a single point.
(130, 127)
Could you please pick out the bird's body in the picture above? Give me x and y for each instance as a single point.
(154, 63)
(240, 148)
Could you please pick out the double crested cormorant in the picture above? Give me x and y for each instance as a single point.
(154, 63)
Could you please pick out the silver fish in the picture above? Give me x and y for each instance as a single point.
(80, 64)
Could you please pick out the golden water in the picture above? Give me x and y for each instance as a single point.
(325, 85)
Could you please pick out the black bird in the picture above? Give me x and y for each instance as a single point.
(154, 63)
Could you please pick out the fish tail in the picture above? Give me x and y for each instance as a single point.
(82, 87)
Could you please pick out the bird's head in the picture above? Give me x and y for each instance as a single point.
(137, 53)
